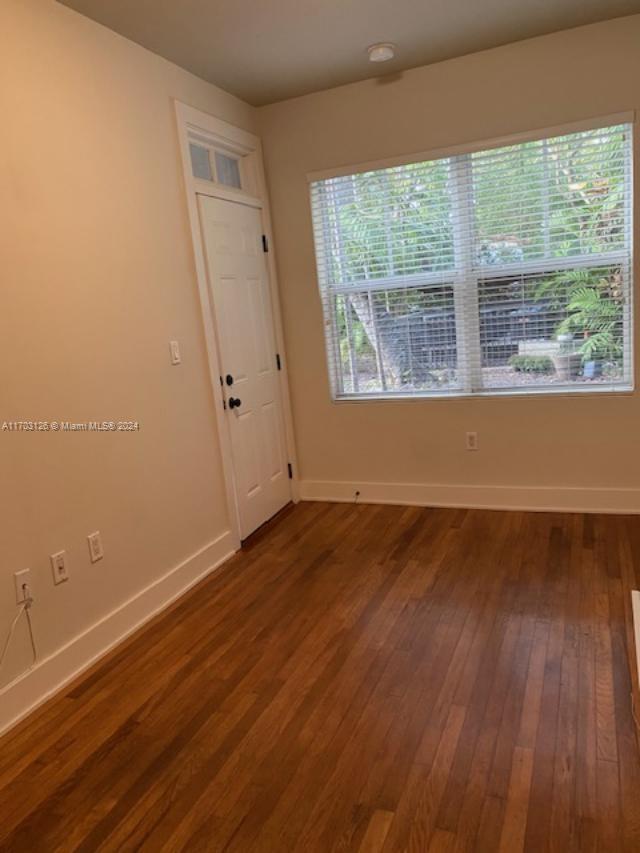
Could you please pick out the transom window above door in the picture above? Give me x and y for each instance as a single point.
(207, 164)
(503, 270)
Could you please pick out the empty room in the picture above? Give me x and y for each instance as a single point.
(353, 565)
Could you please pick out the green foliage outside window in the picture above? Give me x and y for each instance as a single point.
(538, 201)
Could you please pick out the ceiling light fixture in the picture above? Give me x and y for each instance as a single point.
(382, 52)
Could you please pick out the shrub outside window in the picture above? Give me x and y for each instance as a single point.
(506, 270)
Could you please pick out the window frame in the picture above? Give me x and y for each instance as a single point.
(248, 188)
(470, 275)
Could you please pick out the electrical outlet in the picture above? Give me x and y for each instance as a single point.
(59, 567)
(472, 441)
(96, 551)
(22, 578)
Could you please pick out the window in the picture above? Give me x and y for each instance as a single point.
(200, 163)
(210, 165)
(228, 170)
(506, 270)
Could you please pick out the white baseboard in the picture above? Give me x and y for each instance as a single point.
(53, 672)
(535, 498)
(635, 603)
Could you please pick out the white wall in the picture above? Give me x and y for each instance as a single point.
(97, 276)
(540, 451)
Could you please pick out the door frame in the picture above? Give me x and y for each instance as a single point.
(197, 126)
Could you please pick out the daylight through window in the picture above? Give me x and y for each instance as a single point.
(503, 270)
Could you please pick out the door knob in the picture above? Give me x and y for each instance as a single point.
(229, 379)
(234, 403)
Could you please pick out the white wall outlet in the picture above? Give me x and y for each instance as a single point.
(174, 349)
(96, 551)
(472, 441)
(59, 567)
(21, 578)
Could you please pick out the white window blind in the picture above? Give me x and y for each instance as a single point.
(502, 270)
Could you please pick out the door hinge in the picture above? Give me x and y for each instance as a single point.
(290, 470)
(265, 243)
(278, 361)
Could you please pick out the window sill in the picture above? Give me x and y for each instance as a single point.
(625, 390)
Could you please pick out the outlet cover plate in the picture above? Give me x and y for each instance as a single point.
(59, 567)
(21, 578)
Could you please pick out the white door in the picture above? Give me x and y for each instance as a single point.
(239, 285)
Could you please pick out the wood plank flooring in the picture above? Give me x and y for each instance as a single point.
(358, 678)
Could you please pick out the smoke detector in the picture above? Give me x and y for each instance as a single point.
(382, 52)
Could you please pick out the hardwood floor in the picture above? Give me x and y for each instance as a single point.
(358, 678)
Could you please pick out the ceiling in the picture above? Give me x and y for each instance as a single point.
(268, 50)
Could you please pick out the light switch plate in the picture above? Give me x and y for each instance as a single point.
(96, 551)
(174, 348)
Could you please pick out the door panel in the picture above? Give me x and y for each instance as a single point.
(240, 295)
(270, 433)
(264, 356)
(248, 464)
